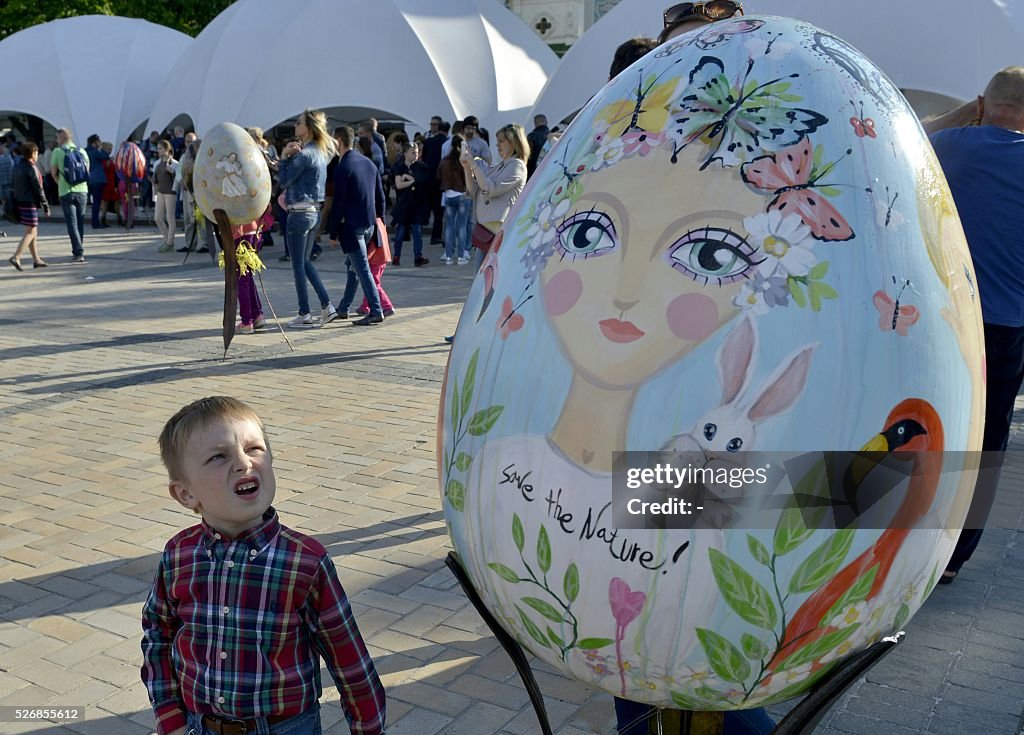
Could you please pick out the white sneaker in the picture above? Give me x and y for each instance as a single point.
(448, 261)
(328, 314)
(303, 321)
(463, 261)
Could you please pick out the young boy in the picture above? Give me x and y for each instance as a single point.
(242, 607)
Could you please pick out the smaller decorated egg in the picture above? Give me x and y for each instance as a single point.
(231, 174)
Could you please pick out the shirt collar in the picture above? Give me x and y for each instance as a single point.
(258, 537)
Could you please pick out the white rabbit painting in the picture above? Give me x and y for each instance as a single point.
(731, 427)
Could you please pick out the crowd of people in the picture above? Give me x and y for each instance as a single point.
(444, 182)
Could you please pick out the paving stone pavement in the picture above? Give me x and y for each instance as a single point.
(95, 357)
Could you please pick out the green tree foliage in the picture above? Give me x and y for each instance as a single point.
(187, 16)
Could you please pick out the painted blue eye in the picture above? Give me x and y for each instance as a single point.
(586, 234)
(712, 253)
(734, 445)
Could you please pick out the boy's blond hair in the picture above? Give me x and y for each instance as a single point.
(196, 415)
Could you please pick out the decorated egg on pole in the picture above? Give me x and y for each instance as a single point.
(742, 243)
(130, 162)
(231, 174)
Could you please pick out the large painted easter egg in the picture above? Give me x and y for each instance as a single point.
(742, 243)
(130, 162)
(231, 174)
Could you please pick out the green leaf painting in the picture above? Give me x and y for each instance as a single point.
(504, 572)
(726, 660)
(483, 421)
(518, 534)
(822, 563)
(463, 462)
(742, 592)
(532, 629)
(758, 550)
(468, 383)
(455, 491)
(817, 649)
(592, 644)
(544, 609)
(571, 584)
(753, 648)
(543, 550)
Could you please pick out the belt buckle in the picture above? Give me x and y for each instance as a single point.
(229, 725)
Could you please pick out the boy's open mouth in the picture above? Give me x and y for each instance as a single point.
(247, 487)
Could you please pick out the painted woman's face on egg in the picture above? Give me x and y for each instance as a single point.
(647, 264)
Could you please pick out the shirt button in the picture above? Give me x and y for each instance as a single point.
(220, 700)
(217, 536)
(223, 654)
(253, 552)
(230, 564)
(226, 610)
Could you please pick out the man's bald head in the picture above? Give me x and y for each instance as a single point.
(1006, 88)
(1002, 104)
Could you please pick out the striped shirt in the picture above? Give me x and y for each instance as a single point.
(236, 627)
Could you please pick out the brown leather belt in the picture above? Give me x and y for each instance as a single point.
(230, 726)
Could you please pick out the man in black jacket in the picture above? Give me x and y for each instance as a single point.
(358, 202)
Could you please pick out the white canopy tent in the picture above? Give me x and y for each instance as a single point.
(933, 49)
(261, 62)
(93, 73)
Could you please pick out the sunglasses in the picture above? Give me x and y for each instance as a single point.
(710, 11)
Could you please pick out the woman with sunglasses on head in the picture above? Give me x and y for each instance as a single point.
(632, 718)
(684, 17)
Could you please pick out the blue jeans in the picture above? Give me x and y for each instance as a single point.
(308, 723)
(417, 240)
(299, 235)
(73, 204)
(456, 215)
(632, 717)
(359, 272)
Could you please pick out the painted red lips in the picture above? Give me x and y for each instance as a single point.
(619, 331)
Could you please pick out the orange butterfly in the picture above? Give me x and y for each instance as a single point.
(790, 174)
(893, 317)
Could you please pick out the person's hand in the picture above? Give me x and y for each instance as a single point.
(291, 149)
(334, 243)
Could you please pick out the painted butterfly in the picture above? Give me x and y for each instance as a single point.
(646, 110)
(741, 119)
(510, 319)
(888, 217)
(892, 316)
(863, 126)
(791, 175)
(718, 33)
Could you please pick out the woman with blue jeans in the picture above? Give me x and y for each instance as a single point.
(457, 205)
(302, 173)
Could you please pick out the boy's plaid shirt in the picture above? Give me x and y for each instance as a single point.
(233, 627)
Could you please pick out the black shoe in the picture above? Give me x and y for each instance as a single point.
(450, 340)
(14, 261)
(284, 258)
(421, 261)
(368, 320)
(203, 249)
(389, 312)
(183, 250)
